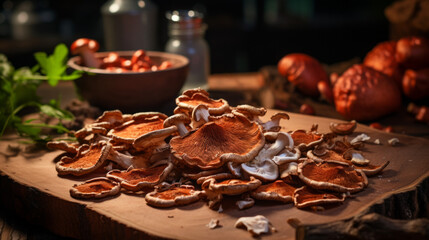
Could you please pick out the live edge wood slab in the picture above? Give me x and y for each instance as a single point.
(31, 187)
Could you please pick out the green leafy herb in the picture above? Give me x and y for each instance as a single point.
(18, 91)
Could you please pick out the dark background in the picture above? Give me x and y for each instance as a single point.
(244, 35)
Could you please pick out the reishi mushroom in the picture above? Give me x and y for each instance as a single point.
(362, 93)
(95, 188)
(86, 48)
(225, 138)
(174, 196)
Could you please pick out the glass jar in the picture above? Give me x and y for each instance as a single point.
(186, 37)
(129, 25)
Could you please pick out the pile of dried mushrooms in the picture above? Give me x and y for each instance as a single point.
(209, 150)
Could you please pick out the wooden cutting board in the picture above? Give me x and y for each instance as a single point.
(31, 187)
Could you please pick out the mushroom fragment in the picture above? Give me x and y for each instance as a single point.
(277, 191)
(287, 155)
(332, 175)
(255, 225)
(343, 128)
(95, 188)
(85, 161)
(225, 138)
(274, 124)
(174, 196)
(306, 197)
(214, 223)
(360, 138)
(63, 145)
(140, 178)
(230, 186)
(247, 202)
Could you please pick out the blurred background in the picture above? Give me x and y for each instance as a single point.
(243, 35)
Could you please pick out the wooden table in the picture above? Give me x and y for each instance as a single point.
(44, 201)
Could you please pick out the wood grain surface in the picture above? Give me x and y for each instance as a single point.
(30, 185)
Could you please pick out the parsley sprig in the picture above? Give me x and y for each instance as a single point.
(18, 91)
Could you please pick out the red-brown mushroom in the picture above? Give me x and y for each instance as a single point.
(306, 197)
(382, 58)
(139, 178)
(86, 48)
(226, 138)
(413, 52)
(276, 191)
(332, 175)
(174, 196)
(85, 161)
(363, 94)
(415, 83)
(95, 188)
(303, 71)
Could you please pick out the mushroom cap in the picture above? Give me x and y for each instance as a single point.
(277, 191)
(141, 124)
(216, 107)
(231, 186)
(95, 188)
(364, 94)
(175, 196)
(85, 161)
(332, 175)
(191, 92)
(81, 43)
(306, 197)
(139, 178)
(251, 110)
(225, 138)
(305, 140)
(176, 118)
(114, 117)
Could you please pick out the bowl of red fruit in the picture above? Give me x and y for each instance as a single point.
(127, 80)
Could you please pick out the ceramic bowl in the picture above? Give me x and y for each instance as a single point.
(132, 91)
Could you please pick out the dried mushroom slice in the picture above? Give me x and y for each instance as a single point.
(85, 161)
(372, 170)
(174, 196)
(141, 124)
(114, 118)
(226, 138)
(95, 188)
(332, 175)
(251, 112)
(276, 191)
(317, 156)
(215, 107)
(231, 186)
(308, 197)
(305, 140)
(139, 178)
(63, 146)
(343, 128)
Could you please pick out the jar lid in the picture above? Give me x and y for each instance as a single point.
(185, 18)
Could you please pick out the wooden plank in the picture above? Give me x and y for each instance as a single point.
(36, 193)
